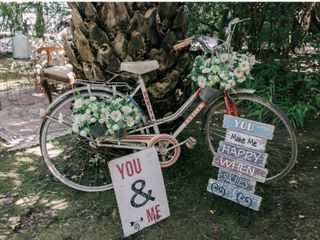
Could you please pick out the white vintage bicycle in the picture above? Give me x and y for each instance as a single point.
(82, 162)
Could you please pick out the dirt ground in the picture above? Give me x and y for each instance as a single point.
(33, 205)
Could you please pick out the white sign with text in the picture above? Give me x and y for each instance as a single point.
(140, 190)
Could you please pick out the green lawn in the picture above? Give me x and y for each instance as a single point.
(33, 205)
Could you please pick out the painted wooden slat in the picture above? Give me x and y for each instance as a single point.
(247, 126)
(234, 194)
(242, 168)
(236, 180)
(246, 140)
(243, 154)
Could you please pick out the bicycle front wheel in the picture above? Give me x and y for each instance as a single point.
(282, 149)
(73, 159)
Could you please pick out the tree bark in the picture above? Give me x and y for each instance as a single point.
(106, 34)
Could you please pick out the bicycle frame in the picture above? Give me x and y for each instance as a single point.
(156, 122)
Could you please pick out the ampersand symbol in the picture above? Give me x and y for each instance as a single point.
(139, 191)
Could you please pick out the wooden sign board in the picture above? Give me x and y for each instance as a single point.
(242, 168)
(140, 190)
(246, 140)
(243, 154)
(247, 126)
(241, 160)
(234, 194)
(238, 181)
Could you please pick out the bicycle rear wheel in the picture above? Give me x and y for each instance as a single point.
(72, 159)
(282, 149)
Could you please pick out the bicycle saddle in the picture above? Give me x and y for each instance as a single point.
(139, 67)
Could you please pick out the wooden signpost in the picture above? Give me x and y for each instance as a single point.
(140, 190)
(241, 160)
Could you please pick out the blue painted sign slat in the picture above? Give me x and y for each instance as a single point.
(237, 152)
(242, 168)
(247, 126)
(234, 194)
(246, 140)
(236, 180)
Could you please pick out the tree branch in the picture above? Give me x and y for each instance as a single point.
(213, 27)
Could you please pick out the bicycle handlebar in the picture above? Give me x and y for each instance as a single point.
(183, 44)
(226, 43)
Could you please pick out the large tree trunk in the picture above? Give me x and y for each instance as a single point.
(106, 34)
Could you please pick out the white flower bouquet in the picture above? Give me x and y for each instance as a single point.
(113, 114)
(227, 69)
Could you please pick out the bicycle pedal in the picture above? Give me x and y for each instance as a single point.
(191, 142)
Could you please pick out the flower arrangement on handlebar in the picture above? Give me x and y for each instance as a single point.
(109, 115)
(225, 70)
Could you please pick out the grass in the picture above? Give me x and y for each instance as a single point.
(33, 205)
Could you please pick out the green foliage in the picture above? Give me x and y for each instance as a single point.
(271, 30)
(12, 20)
(273, 34)
(204, 18)
(296, 93)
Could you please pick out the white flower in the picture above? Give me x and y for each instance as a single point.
(88, 111)
(244, 66)
(102, 119)
(206, 70)
(208, 62)
(103, 110)
(60, 118)
(252, 60)
(92, 99)
(77, 119)
(232, 83)
(78, 103)
(238, 72)
(117, 100)
(241, 79)
(224, 57)
(83, 133)
(227, 86)
(201, 81)
(126, 109)
(107, 115)
(129, 121)
(223, 76)
(94, 108)
(116, 115)
(115, 127)
(231, 74)
(75, 127)
(93, 119)
(85, 117)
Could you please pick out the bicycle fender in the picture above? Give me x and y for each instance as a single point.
(242, 90)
